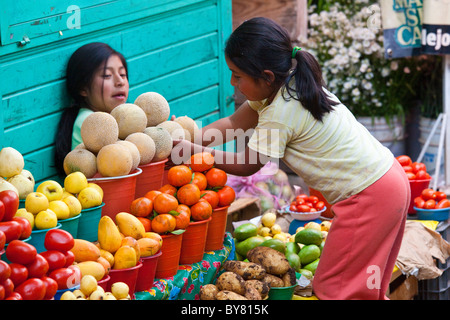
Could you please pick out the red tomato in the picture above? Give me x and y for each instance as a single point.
(12, 230)
(58, 239)
(312, 210)
(421, 175)
(301, 196)
(408, 169)
(293, 207)
(32, 289)
(404, 160)
(38, 268)
(65, 277)
(5, 271)
(429, 204)
(50, 287)
(26, 227)
(410, 175)
(19, 273)
(2, 291)
(418, 166)
(303, 208)
(226, 196)
(14, 296)
(21, 252)
(313, 199)
(444, 203)
(70, 258)
(419, 202)
(439, 195)
(10, 200)
(300, 201)
(9, 287)
(2, 240)
(320, 205)
(56, 259)
(2, 211)
(428, 194)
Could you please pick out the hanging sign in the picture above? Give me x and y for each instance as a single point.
(436, 27)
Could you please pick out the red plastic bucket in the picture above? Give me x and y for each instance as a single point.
(194, 240)
(129, 276)
(151, 177)
(104, 282)
(118, 192)
(170, 255)
(417, 186)
(147, 272)
(216, 229)
(165, 174)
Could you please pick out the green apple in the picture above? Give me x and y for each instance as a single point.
(51, 189)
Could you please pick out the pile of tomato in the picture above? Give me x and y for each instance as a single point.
(430, 199)
(414, 170)
(38, 276)
(305, 203)
(194, 190)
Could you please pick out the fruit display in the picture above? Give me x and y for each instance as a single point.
(414, 170)
(90, 290)
(305, 203)
(133, 134)
(431, 199)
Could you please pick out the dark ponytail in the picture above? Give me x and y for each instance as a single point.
(80, 71)
(261, 44)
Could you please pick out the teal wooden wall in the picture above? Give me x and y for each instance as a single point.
(174, 47)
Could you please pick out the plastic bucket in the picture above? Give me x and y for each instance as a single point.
(129, 276)
(170, 256)
(104, 282)
(433, 214)
(59, 293)
(151, 177)
(147, 272)
(194, 240)
(165, 179)
(38, 237)
(3, 252)
(417, 186)
(21, 203)
(216, 229)
(88, 223)
(71, 225)
(281, 293)
(118, 192)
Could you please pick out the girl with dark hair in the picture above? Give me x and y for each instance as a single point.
(96, 80)
(294, 118)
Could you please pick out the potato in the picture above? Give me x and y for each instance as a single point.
(273, 281)
(273, 261)
(231, 281)
(208, 292)
(252, 294)
(229, 295)
(289, 278)
(260, 286)
(247, 270)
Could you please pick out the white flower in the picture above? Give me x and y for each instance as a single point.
(356, 92)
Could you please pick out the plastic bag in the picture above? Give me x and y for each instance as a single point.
(270, 184)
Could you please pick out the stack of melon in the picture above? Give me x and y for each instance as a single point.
(133, 134)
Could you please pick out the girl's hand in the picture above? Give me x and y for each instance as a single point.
(181, 152)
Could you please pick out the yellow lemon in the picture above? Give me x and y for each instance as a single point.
(46, 219)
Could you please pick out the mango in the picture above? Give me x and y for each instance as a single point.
(275, 244)
(129, 225)
(109, 236)
(309, 253)
(108, 256)
(92, 268)
(148, 247)
(312, 266)
(309, 236)
(124, 258)
(245, 246)
(132, 242)
(245, 231)
(84, 250)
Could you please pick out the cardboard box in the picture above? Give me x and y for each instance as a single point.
(242, 209)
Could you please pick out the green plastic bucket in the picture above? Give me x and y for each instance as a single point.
(71, 225)
(88, 223)
(281, 293)
(38, 237)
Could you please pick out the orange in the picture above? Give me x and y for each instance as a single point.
(201, 161)
(202, 210)
(141, 207)
(188, 194)
(226, 196)
(163, 223)
(179, 175)
(152, 194)
(147, 223)
(211, 196)
(216, 177)
(200, 180)
(183, 218)
(164, 203)
(168, 188)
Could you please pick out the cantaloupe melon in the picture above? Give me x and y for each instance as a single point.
(163, 142)
(114, 160)
(134, 152)
(189, 125)
(98, 130)
(130, 119)
(82, 160)
(155, 106)
(145, 145)
(11, 162)
(176, 131)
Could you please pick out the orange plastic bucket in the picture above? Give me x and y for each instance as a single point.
(129, 276)
(216, 229)
(417, 186)
(118, 192)
(165, 174)
(151, 177)
(170, 255)
(147, 272)
(194, 240)
(328, 213)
